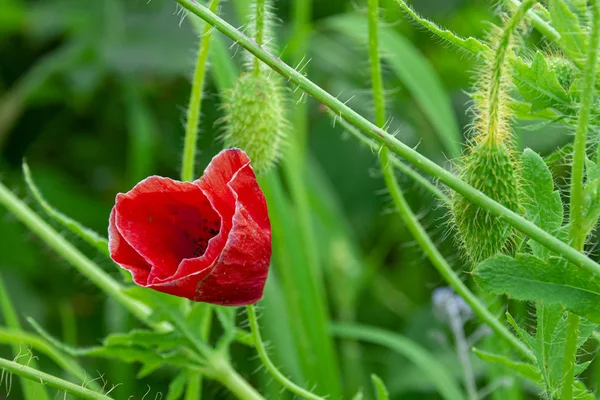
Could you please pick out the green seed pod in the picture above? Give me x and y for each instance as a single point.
(255, 119)
(490, 168)
(564, 69)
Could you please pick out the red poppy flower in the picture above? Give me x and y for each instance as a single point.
(207, 240)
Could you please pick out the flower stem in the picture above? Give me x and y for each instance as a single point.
(195, 105)
(50, 380)
(388, 140)
(66, 250)
(225, 374)
(577, 232)
(19, 337)
(259, 34)
(264, 357)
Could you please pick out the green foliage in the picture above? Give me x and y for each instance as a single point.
(415, 72)
(380, 389)
(573, 39)
(527, 278)
(543, 85)
(541, 202)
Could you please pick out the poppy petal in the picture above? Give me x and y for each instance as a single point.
(166, 221)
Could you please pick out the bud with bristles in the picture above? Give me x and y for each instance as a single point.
(255, 107)
(255, 119)
(488, 164)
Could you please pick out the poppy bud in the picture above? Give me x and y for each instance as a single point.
(490, 168)
(255, 119)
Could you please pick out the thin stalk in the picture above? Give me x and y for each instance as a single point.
(389, 141)
(16, 337)
(542, 26)
(66, 250)
(195, 105)
(577, 233)
(220, 369)
(50, 380)
(405, 169)
(264, 357)
(581, 133)
(494, 112)
(235, 383)
(30, 390)
(259, 34)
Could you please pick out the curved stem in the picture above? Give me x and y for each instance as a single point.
(577, 232)
(384, 138)
(46, 379)
(438, 261)
(494, 96)
(16, 337)
(195, 105)
(405, 169)
(264, 357)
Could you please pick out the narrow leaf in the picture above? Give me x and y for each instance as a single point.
(381, 391)
(470, 45)
(91, 237)
(177, 386)
(527, 371)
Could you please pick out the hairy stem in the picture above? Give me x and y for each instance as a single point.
(259, 34)
(195, 105)
(19, 337)
(545, 28)
(50, 380)
(385, 139)
(264, 357)
(494, 96)
(577, 232)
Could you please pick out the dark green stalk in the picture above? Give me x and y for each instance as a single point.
(577, 233)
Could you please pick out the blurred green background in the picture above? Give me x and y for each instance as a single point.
(93, 95)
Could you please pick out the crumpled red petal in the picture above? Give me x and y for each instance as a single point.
(155, 229)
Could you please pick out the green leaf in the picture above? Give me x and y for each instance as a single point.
(579, 368)
(381, 391)
(542, 203)
(145, 338)
(470, 45)
(177, 386)
(539, 85)
(527, 371)
(415, 72)
(528, 278)
(91, 237)
(573, 39)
